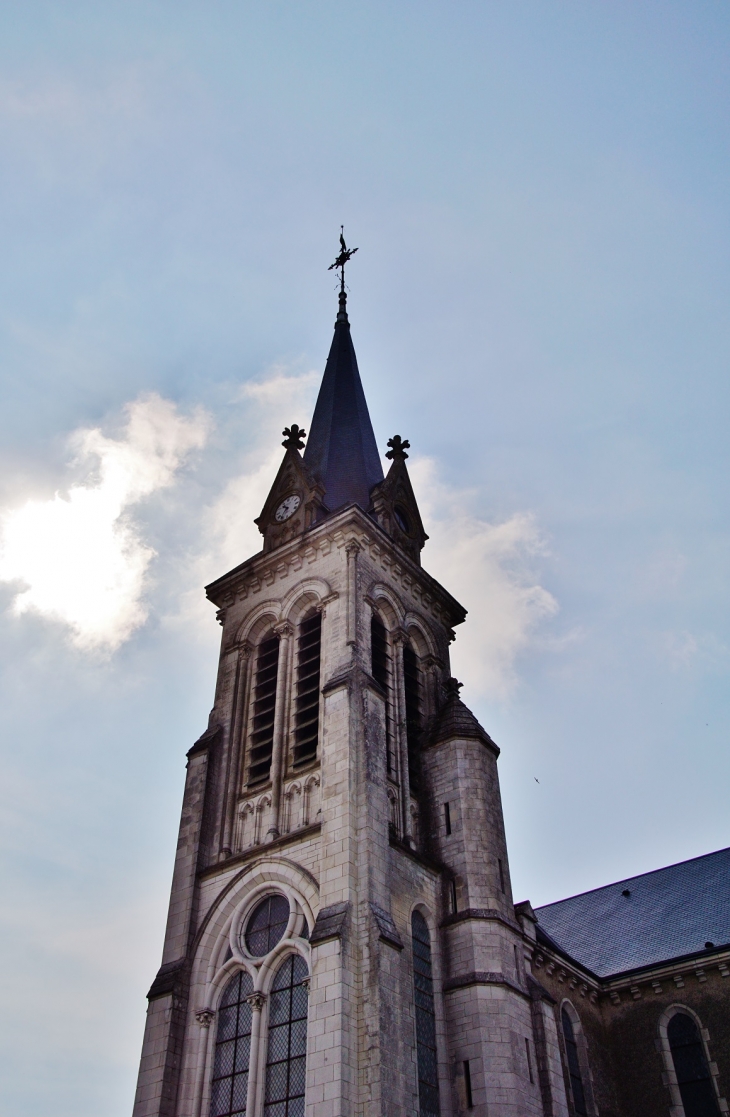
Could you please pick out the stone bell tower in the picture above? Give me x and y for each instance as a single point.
(341, 938)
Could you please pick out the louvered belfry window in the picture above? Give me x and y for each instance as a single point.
(428, 1083)
(690, 1064)
(262, 729)
(412, 688)
(287, 1047)
(380, 667)
(576, 1078)
(232, 1050)
(306, 728)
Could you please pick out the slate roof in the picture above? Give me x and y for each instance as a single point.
(341, 450)
(669, 913)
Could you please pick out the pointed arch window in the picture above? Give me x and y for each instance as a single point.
(577, 1088)
(232, 1049)
(690, 1064)
(380, 667)
(287, 1046)
(428, 1083)
(264, 705)
(412, 693)
(306, 727)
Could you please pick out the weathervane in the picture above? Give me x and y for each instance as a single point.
(342, 259)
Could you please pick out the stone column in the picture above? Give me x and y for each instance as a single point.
(257, 1069)
(237, 744)
(284, 631)
(400, 734)
(204, 1017)
(353, 550)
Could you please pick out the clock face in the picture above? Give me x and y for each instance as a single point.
(287, 508)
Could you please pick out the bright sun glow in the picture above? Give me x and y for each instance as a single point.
(80, 556)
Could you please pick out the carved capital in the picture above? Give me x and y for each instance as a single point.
(245, 649)
(221, 617)
(256, 1000)
(205, 1017)
(284, 630)
(353, 547)
(305, 983)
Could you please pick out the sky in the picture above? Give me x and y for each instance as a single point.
(539, 194)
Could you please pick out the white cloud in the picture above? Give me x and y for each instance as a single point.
(685, 650)
(489, 569)
(80, 555)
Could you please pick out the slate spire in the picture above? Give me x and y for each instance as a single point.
(341, 451)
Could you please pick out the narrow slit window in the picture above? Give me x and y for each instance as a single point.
(262, 729)
(427, 1060)
(412, 689)
(380, 666)
(467, 1085)
(454, 905)
(447, 818)
(574, 1071)
(690, 1064)
(229, 1087)
(501, 875)
(306, 729)
(529, 1059)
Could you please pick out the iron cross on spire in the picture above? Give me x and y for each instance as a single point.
(342, 259)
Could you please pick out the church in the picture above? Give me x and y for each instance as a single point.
(342, 938)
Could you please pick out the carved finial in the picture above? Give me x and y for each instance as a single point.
(293, 437)
(453, 686)
(398, 447)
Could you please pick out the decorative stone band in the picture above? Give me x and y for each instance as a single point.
(387, 930)
(481, 913)
(331, 923)
(483, 977)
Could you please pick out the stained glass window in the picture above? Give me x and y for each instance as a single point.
(428, 1083)
(266, 925)
(690, 1065)
(232, 1050)
(576, 1078)
(286, 1057)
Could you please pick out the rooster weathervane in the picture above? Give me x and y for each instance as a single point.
(343, 258)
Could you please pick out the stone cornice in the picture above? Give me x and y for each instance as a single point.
(481, 913)
(486, 977)
(647, 979)
(349, 525)
(573, 975)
